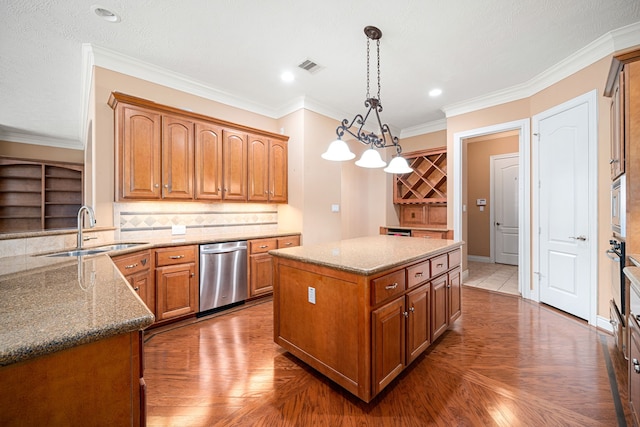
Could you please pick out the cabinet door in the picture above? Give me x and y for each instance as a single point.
(617, 128)
(454, 295)
(388, 328)
(235, 156)
(176, 290)
(260, 274)
(438, 306)
(208, 161)
(177, 158)
(418, 322)
(288, 241)
(141, 283)
(634, 369)
(278, 172)
(258, 169)
(138, 145)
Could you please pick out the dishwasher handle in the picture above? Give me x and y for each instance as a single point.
(223, 248)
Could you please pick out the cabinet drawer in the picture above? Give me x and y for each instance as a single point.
(288, 242)
(262, 245)
(133, 263)
(388, 286)
(177, 255)
(427, 234)
(454, 258)
(439, 265)
(417, 274)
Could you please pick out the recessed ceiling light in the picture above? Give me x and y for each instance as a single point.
(287, 76)
(105, 14)
(435, 92)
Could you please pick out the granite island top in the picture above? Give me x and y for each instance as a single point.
(368, 255)
(633, 274)
(48, 304)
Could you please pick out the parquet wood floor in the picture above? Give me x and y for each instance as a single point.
(505, 362)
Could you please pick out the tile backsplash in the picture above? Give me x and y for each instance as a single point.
(156, 219)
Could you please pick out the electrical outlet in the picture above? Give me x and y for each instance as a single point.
(312, 295)
(178, 229)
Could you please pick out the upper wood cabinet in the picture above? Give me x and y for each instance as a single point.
(208, 161)
(267, 170)
(167, 153)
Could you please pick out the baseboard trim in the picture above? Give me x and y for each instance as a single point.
(479, 258)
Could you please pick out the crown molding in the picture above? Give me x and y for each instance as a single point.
(16, 135)
(424, 128)
(609, 43)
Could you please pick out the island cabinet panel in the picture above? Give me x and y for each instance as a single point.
(418, 321)
(439, 317)
(389, 345)
(97, 383)
(325, 330)
(362, 330)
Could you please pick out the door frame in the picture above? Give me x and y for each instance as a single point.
(492, 214)
(591, 99)
(524, 196)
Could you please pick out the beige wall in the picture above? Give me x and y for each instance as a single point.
(478, 154)
(40, 152)
(586, 80)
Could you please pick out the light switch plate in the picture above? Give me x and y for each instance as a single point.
(178, 229)
(335, 208)
(312, 295)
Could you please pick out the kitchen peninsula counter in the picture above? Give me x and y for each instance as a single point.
(361, 310)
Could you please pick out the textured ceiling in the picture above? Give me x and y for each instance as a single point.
(238, 48)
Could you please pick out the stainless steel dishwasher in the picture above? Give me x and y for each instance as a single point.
(223, 274)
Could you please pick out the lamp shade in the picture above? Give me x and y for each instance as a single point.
(338, 151)
(398, 165)
(371, 159)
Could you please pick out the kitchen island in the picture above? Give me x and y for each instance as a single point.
(361, 310)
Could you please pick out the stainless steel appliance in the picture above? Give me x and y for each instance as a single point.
(619, 207)
(618, 306)
(223, 274)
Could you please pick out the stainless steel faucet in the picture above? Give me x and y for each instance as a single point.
(92, 222)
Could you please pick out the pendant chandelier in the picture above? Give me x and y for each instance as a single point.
(339, 150)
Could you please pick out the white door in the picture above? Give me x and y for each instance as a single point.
(505, 208)
(564, 212)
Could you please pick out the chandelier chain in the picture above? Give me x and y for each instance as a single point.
(368, 95)
(378, 43)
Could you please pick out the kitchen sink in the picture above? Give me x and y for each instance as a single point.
(93, 251)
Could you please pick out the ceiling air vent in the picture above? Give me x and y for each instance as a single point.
(310, 66)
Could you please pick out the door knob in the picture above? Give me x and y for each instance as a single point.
(581, 238)
(498, 224)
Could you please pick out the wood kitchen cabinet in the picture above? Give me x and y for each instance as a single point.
(362, 331)
(176, 282)
(260, 274)
(138, 269)
(267, 170)
(167, 153)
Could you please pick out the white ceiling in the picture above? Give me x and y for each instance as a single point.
(477, 52)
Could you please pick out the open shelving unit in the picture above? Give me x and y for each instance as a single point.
(428, 181)
(38, 196)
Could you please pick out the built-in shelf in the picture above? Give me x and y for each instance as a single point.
(39, 195)
(428, 181)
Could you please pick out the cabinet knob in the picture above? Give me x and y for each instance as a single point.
(219, 189)
(419, 274)
(156, 185)
(136, 289)
(389, 287)
(636, 366)
(176, 256)
(264, 246)
(166, 186)
(193, 274)
(131, 266)
(405, 314)
(412, 309)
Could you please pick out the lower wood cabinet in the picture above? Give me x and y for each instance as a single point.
(260, 265)
(418, 321)
(176, 282)
(388, 329)
(137, 269)
(99, 383)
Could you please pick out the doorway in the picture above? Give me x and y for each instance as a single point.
(460, 208)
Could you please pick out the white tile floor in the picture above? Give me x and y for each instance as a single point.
(495, 277)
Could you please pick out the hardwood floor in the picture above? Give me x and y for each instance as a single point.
(505, 362)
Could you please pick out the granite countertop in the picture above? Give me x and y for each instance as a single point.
(368, 255)
(633, 274)
(635, 259)
(50, 304)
